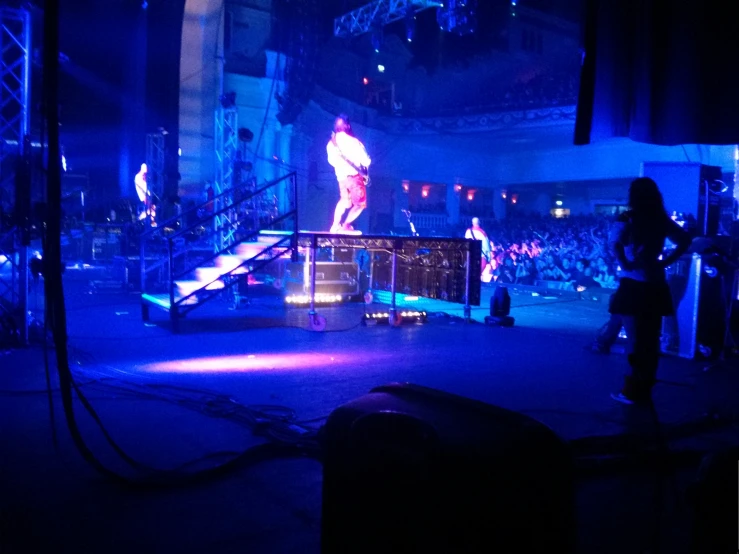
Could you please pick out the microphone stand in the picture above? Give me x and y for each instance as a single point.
(408, 215)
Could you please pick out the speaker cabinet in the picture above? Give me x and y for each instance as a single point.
(698, 328)
(690, 188)
(412, 470)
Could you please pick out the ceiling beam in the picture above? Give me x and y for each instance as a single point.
(378, 13)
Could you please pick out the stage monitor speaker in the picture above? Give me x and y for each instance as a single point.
(689, 188)
(409, 469)
(698, 288)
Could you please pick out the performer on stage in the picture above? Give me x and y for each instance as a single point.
(350, 161)
(477, 233)
(142, 190)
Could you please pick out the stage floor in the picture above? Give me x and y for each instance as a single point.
(264, 354)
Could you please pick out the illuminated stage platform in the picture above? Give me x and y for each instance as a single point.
(443, 269)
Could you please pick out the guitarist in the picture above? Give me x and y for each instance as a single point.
(350, 161)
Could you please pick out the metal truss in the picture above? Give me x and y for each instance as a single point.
(379, 12)
(155, 173)
(15, 76)
(15, 124)
(8, 274)
(227, 124)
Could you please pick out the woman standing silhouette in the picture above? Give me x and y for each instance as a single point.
(643, 296)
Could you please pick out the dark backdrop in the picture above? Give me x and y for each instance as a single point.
(660, 72)
(121, 82)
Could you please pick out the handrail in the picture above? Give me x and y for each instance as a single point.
(196, 209)
(232, 271)
(230, 206)
(182, 215)
(244, 221)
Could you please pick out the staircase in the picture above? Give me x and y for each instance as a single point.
(213, 248)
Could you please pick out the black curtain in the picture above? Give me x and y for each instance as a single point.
(164, 38)
(660, 72)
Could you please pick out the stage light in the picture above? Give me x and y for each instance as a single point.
(381, 68)
(500, 307)
(228, 100)
(470, 196)
(410, 23)
(245, 135)
(319, 298)
(179, 151)
(402, 316)
(457, 188)
(377, 37)
(36, 265)
(365, 81)
(558, 202)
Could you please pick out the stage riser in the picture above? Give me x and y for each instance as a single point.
(331, 278)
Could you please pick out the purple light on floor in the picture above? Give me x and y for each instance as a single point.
(249, 362)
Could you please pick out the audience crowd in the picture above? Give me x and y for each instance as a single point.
(572, 250)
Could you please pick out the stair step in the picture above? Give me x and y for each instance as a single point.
(162, 300)
(270, 239)
(248, 250)
(208, 274)
(276, 235)
(228, 263)
(185, 288)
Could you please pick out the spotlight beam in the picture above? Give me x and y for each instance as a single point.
(382, 12)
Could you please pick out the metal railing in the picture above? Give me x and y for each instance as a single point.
(176, 248)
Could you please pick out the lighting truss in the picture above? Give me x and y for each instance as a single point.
(155, 175)
(379, 12)
(15, 76)
(227, 136)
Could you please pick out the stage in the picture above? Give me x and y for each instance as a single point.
(265, 353)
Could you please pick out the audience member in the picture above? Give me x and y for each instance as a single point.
(573, 251)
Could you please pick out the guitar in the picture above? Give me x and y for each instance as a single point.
(362, 171)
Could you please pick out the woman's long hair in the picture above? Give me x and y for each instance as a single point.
(648, 212)
(645, 199)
